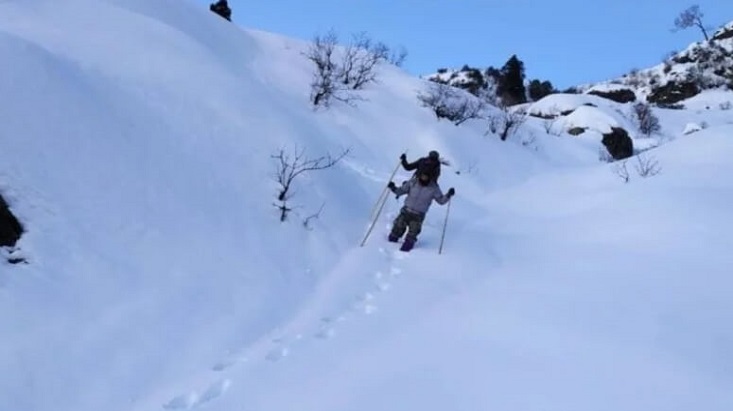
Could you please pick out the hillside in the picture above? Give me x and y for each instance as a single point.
(136, 148)
(701, 66)
(704, 65)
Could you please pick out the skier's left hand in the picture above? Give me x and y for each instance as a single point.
(451, 192)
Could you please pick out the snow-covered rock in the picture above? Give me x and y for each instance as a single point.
(691, 128)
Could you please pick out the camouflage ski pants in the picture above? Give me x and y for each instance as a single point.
(407, 221)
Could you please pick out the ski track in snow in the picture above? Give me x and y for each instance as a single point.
(278, 349)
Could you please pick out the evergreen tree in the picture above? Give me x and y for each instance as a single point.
(511, 88)
(538, 90)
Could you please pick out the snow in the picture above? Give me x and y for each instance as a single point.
(691, 128)
(562, 104)
(159, 276)
(590, 117)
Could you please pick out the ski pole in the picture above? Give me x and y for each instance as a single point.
(380, 204)
(384, 191)
(445, 223)
(374, 221)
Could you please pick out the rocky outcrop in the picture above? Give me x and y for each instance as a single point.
(622, 95)
(618, 143)
(10, 227)
(673, 92)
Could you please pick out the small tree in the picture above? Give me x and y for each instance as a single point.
(539, 89)
(691, 17)
(510, 87)
(648, 123)
(288, 167)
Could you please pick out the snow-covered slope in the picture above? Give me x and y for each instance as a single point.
(135, 146)
(704, 65)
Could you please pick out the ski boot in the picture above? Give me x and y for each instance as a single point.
(407, 244)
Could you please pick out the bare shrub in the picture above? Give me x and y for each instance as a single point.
(506, 122)
(622, 171)
(530, 140)
(339, 72)
(361, 57)
(604, 155)
(290, 166)
(325, 84)
(727, 105)
(316, 215)
(549, 126)
(647, 122)
(451, 103)
(647, 166)
(398, 57)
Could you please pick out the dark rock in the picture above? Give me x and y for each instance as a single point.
(10, 228)
(723, 34)
(576, 131)
(622, 95)
(543, 116)
(673, 92)
(618, 143)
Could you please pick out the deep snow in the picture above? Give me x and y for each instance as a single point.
(135, 144)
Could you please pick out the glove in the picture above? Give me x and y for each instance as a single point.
(392, 186)
(451, 192)
(403, 157)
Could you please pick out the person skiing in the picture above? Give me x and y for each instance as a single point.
(221, 7)
(421, 192)
(429, 165)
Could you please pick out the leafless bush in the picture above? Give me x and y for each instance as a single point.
(506, 122)
(604, 155)
(307, 220)
(341, 72)
(288, 167)
(646, 120)
(451, 103)
(360, 60)
(622, 171)
(325, 84)
(530, 140)
(398, 57)
(727, 105)
(549, 125)
(635, 78)
(647, 166)
(704, 125)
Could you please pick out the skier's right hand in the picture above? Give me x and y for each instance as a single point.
(392, 186)
(403, 157)
(451, 192)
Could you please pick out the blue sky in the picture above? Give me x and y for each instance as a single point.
(565, 41)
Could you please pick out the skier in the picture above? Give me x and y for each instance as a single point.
(429, 165)
(221, 8)
(421, 192)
